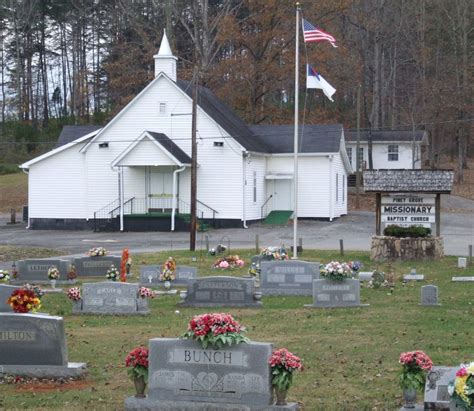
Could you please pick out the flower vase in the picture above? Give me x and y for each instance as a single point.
(53, 283)
(281, 396)
(140, 385)
(409, 397)
(167, 285)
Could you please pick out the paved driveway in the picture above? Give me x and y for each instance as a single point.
(355, 229)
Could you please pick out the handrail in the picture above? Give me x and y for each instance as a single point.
(111, 213)
(264, 204)
(205, 205)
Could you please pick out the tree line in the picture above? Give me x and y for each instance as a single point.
(80, 61)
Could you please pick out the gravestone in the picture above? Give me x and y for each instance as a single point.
(462, 262)
(365, 276)
(184, 376)
(95, 266)
(333, 294)
(288, 277)
(36, 271)
(436, 387)
(256, 259)
(150, 275)
(221, 291)
(413, 277)
(462, 279)
(429, 295)
(110, 298)
(35, 345)
(5, 292)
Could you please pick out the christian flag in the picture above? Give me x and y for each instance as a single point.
(315, 80)
(312, 34)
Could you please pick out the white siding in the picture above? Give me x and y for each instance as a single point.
(254, 164)
(146, 153)
(380, 155)
(340, 206)
(220, 168)
(56, 186)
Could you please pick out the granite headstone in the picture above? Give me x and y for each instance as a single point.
(288, 277)
(221, 291)
(184, 376)
(429, 295)
(150, 275)
(5, 292)
(35, 345)
(36, 271)
(436, 387)
(95, 266)
(333, 294)
(110, 298)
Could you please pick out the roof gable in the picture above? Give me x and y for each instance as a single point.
(71, 133)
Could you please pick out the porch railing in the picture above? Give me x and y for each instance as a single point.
(264, 204)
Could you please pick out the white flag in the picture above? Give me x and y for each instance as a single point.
(315, 80)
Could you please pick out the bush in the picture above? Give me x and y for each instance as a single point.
(8, 169)
(412, 232)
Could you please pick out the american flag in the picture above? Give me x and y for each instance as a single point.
(312, 34)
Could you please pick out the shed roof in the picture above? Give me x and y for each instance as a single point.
(71, 133)
(387, 135)
(325, 138)
(408, 181)
(225, 117)
(171, 147)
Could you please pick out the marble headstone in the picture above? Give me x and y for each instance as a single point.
(36, 270)
(95, 266)
(184, 376)
(150, 275)
(462, 262)
(365, 276)
(110, 298)
(333, 294)
(429, 295)
(35, 345)
(221, 291)
(288, 277)
(436, 387)
(413, 277)
(5, 292)
(462, 279)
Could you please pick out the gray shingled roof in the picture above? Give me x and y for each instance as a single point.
(385, 135)
(71, 133)
(408, 181)
(171, 147)
(313, 138)
(225, 117)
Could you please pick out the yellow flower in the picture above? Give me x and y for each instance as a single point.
(460, 385)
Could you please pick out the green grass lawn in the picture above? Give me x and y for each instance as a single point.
(350, 355)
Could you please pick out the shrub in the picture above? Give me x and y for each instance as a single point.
(412, 232)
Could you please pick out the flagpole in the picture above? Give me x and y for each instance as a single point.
(295, 147)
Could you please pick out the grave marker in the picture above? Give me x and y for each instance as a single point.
(462, 279)
(95, 266)
(333, 294)
(5, 292)
(436, 387)
(36, 271)
(288, 277)
(35, 345)
(150, 275)
(221, 291)
(110, 297)
(365, 276)
(429, 295)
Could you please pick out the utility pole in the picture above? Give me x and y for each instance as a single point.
(357, 150)
(192, 233)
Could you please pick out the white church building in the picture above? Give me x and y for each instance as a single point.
(135, 172)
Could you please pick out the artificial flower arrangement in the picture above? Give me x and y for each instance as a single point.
(378, 280)
(53, 273)
(112, 273)
(274, 253)
(215, 330)
(24, 300)
(254, 269)
(145, 292)
(74, 294)
(355, 266)
(125, 264)
(168, 270)
(71, 274)
(137, 363)
(462, 388)
(97, 252)
(230, 261)
(336, 271)
(415, 366)
(4, 276)
(283, 364)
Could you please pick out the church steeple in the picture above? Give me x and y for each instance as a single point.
(165, 62)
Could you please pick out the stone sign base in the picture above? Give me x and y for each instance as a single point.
(71, 370)
(146, 404)
(386, 248)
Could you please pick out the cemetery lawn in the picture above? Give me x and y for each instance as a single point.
(350, 354)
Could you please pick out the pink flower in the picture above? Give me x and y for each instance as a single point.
(224, 264)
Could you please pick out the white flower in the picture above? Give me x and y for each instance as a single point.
(450, 389)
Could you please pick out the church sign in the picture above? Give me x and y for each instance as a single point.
(408, 210)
